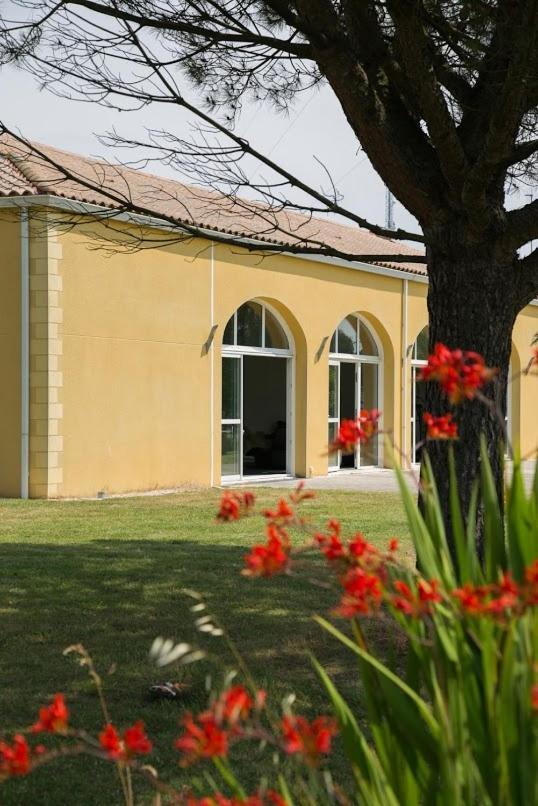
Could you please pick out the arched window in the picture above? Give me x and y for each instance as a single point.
(354, 384)
(257, 376)
(419, 358)
(254, 325)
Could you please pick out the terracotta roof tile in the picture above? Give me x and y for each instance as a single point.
(23, 172)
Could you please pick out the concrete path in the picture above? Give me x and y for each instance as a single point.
(368, 480)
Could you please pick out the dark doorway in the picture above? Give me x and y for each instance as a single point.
(420, 408)
(264, 415)
(348, 405)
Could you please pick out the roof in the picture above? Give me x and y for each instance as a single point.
(23, 172)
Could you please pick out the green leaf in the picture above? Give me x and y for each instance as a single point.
(367, 770)
(420, 724)
(494, 545)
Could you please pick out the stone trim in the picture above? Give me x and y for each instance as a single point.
(46, 352)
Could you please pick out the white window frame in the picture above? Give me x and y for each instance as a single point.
(359, 359)
(239, 352)
(416, 366)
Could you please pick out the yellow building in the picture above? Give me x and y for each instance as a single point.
(134, 359)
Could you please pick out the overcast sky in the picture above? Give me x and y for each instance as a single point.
(315, 127)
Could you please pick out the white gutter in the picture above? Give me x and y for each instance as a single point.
(405, 289)
(212, 370)
(107, 213)
(25, 352)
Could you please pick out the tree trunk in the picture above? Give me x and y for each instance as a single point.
(472, 305)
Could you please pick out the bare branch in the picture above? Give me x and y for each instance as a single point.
(528, 278)
(124, 203)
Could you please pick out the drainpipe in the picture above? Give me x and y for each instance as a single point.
(25, 351)
(212, 370)
(405, 288)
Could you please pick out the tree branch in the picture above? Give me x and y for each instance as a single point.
(298, 49)
(256, 242)
(522, 225)
(414, 52)
(522, 151)
(528, 278)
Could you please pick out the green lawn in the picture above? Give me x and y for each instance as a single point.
(109, 573)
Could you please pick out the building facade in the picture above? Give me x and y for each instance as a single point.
(197, 362)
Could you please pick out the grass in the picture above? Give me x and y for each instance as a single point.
(109, 574)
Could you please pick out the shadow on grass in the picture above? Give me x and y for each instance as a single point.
(115, 596)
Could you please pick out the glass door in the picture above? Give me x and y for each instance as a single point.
(334, 411)
(369, 399)
(231, 422)
(418, 407)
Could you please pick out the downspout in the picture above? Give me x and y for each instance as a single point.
(25, 351)
(212, 368)
(405, 288)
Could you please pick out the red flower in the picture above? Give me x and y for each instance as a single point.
(459, 373)
(230, 507)
(135, 740)
(471, 599)
(110, 741)
(534, 697)
(507, 601)
(310, 739)
(282, 514)
(493, 600)
(249, 499)
(369, 422)
(202, 739)
(52, 718)
(14, 759)
(300, 494)
(270, 559)
(233, 504)
(133, 743)
(359, 547)
(271, 797)
(353, 432)
(531, 586)
(394, 545)
(440, 427)
(331, 543)
(236, 704)
(416, 604)
(363, 593)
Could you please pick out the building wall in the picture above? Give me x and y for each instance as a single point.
(126, 387)
(46, 375)
(525, 388)
(136, 387)
(10, 387)
(136, 382)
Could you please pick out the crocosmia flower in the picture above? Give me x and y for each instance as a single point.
(52, 718)
(416, 604)
(15, 758)
(236, 704)
(271, 798)
(133, 743)
(363, 593)
(271, 558)
(459, 373)
(203, 738)
(354, 432)
(310, 739)
(441, 427)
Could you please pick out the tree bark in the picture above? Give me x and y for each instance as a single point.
(472, 305)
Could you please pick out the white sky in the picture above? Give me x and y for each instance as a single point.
(315, 127)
